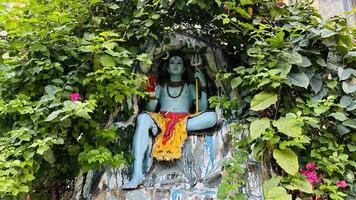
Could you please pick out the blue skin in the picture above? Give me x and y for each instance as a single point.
(145, 123)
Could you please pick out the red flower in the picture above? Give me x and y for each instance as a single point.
(151, 85)
(341, 184)
(74, 96)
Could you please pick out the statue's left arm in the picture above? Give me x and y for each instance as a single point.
(203, 101)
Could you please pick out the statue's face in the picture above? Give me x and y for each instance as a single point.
(176, 66)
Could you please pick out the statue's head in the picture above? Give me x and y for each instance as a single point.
(175, 65)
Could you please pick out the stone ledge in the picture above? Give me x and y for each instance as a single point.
(159, 193)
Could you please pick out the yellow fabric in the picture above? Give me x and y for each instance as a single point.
(173, 148)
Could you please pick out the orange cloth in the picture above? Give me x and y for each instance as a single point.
(168, 144)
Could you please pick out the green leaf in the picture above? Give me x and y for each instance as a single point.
(144, 58)
(263, 100)
(38, 47)
(258, 127)
(28, 154)
(285, 68)
(155, 16)
(350, 123)
(25, 137)
(346, 39)
(47, 97)
(83, 113)
(299, 79)
(109, 45)
(320, 61)
(339, 116)
(305, 63)
(86, 49)
(325, 33)
(53, 115)
(345, 73)
(49, 156)
(271, 190)
(42, 149)
(114, 6)
(58, 141)
(316, 83)
(295, 58)
(271, 183)
(348, 87)
(24, 188)
(342, 130)
(351, 106)
(180, 4)
(218, 2)
(242, 12)
(253, 52)
(148, 23)
(277, 193)
(302, 185)
(287, 160)
(236, 82)
(107, 61)
(332, 84)
(289, 126)
(246, 2)
(52, 90)
(345, 101)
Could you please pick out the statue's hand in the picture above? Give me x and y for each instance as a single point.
(199, 75)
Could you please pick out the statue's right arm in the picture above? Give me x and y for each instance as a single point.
(153, 100)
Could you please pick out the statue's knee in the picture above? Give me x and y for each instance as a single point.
(143, 118)
(212, 118)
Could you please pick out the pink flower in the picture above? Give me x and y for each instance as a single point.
(311, 166)
(341, 184)
(312, 177)
(74, 96)
(303, 171)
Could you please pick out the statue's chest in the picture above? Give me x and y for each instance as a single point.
(175, 92)
(179, 96)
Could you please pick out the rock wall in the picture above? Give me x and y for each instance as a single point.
(195, 176)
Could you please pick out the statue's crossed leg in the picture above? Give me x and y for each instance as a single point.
(144, 123)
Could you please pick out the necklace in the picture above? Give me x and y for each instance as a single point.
(181, 90)
(175, 84)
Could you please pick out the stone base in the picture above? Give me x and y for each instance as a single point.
(196, 175)
(158, 193)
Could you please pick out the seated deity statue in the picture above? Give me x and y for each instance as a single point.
(174, 98)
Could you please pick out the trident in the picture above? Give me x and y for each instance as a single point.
(196, 62)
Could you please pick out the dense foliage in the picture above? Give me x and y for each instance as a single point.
(293, 72)
(297, 100)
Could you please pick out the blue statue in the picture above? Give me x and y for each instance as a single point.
(176, 98)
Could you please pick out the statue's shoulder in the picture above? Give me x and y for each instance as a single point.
(159, 86)
(191, 86)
